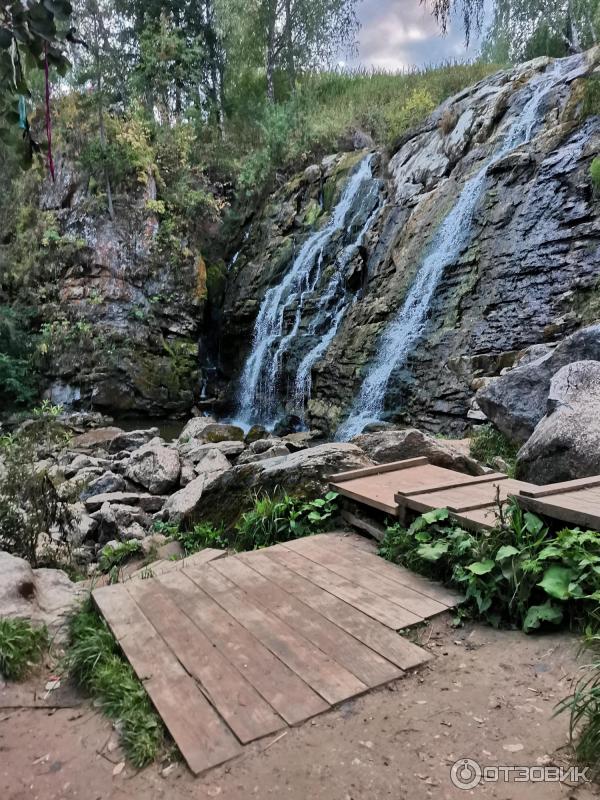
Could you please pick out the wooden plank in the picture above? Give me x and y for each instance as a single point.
(328, 678)
(202, 736)
(288, 694)
(367, 630)
(378, 469)
(394, 572)
(468, 480)
(369, 603)
(162, 565)
(392, 591)
(245, 711)
(572, 513)
(364, 525)
(559, 488)
(368, 666)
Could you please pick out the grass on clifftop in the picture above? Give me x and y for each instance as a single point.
(21, 646)
(96, 663)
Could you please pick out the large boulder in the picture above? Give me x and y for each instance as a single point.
(101, 437)
(305, 472)
(396, 445)
(211, 463)
(194, 428)
(566, 443)
(515, 402)
(41, 595)
(154, 467)
(181, 506)
(132, 440)
(108, 482)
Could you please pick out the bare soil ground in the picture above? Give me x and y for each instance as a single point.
(487, 695)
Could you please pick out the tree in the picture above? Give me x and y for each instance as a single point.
(33, 36)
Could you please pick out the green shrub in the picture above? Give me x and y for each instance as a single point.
(21, 646)
(282, 517)
(202, 535)
(95, 661)
(519, 574)
(584, 704)
(18, 377)
(591, 97)
(31, 505)
(115, 556)
(595, 174)
(487, 443)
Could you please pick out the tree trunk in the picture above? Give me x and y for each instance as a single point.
(289, 46)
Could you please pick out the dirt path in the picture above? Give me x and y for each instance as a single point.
(487, 695)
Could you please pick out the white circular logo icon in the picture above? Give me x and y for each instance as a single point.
(465, 773)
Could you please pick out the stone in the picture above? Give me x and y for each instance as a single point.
(211, 463)
(387, 446)
(289, 423)
(181, 505)
(219, 432)
(305, 473)
(566, 443)
(193, 449)
(78, 463)
(278, 449)
(147, 502)
(108, 482)
(134, 531)
(194, 428)
(255, 433)
(132, 440)
(126, 516)
(262, 445)
(152, 542)
(43, 596)
(84, 525)
(100, 437)
(515, 402)
(187, 473)
(155, 467)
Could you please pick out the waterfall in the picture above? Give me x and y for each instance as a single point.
(449, 241)
(259, 382)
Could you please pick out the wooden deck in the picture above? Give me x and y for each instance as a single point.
(419, 486)
(239, 648)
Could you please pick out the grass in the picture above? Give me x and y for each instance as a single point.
(488, 443)
(96, 663)
(584, 705)
(116, 556)
(21, 646)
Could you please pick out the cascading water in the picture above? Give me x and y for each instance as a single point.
(260, 377)
(451, 238)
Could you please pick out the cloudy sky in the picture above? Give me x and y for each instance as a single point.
(396, 34)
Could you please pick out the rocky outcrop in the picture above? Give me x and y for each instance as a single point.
(389, 445)
(154, 467)
(304, 473)
(516, 401)
(526, 276)
(566, 442)
(44, 596)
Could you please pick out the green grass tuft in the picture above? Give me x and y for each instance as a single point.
(21, 646)
(487, 443)
(96, 663)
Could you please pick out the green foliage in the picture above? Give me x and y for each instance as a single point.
(282, 517)
(31, 503)
(21, 646)
(519, 574)
(202, 535)
(488, 443)
(96, 663)
(17, 372)
(591, 97)
(112, 556)
(595, 174)
(584, 702)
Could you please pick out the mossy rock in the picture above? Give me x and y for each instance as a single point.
(312, 213)
(213, 434)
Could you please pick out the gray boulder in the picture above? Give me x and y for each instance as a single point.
(194, 428)
(515, 402)
(147, 502)
(132, 440)
(181, 505)
(304, 473)
(108, 482)
(98, 438)
(277, 449)
(566, 443)
(154, 467)
(193, 450)
(396, 445)
(211, 463)
(41, 595)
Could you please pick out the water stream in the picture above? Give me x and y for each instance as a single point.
(451, 238)
(259, 383)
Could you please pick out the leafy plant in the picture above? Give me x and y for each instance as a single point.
(595, 174)
(31, 506)
(282, 517)
(488, 443)
(584, 702)
(519, 574)
(113, 556)
(202, 535)
(21, 646)
(95, 661)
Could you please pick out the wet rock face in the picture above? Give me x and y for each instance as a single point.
(125, 315)
(528, 274)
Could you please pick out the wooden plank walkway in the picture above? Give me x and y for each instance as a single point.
(419, 486)
(238, 648)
